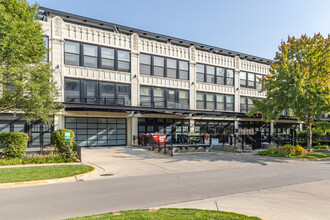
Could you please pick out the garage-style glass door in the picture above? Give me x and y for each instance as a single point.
(98, 131)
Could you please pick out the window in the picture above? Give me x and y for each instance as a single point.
(159, 63)
(72, 53)
(251, 80)
(159, 97)
(91, 91)
(124, 60)
(200, 100)
(230, 77)
(171, 68)
(90, 55)
(200, 70)
(145, 64)
(164, 97)
(123, 94)
(164, 67)
(245, 104)
(72, 90)
(183, 70)
(184, 98)
(215, 101)
(221, 72)
(107, 58)
(258, 83)
(210, 74)
(96, 56)
(46, 40)
(230, 102)
(107, 92)
(242, 79)
(220, 102)
(145, 96)
(209, 101)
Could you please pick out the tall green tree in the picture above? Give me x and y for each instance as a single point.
(26, 81)
(299, 82)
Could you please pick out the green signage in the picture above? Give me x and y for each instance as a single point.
(67, 135)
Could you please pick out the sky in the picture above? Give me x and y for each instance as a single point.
(254, 27)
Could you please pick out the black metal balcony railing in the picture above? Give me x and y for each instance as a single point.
(101, 101)
(165, 104)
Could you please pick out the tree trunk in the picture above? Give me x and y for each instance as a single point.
(309, 137)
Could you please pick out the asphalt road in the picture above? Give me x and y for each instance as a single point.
(58, 201)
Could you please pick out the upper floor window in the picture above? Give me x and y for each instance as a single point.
(88, 55)
(96, 92)
(245, 104)
(164, 97)
(164, 67)
(72, 53)
(212, 74)
(212, 101)
(250, 80)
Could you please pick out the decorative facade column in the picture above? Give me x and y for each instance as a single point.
(237, 84)
(192, 77)
(271, 128)
(135, 70)
(56, 46)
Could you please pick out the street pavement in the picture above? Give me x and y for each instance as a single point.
(267, 187)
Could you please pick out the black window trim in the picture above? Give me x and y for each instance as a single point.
(166, 96)
(82, 91)
(215, 74)
(99, 66)
(215, 101)
(255, 80)
(165, 66)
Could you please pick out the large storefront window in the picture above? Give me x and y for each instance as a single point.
(98, 131)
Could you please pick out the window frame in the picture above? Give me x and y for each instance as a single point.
(215, 101)
(215, 75)
(177, 67)
(99, 56)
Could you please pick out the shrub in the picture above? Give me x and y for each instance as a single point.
(57, 138)
(321, 147)
(285, 151)
(14, 144)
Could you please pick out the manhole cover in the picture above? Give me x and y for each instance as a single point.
(106, 174)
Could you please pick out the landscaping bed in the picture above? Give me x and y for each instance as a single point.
(20, 174)
(290, 151)
(177, 214)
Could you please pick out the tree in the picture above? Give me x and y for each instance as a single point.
(298, 82)
(322, 127)
(26, 81)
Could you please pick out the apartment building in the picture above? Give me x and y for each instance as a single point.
(118, 82)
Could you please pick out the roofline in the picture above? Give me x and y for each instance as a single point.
(91, 21)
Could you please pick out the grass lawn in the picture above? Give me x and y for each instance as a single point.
(182, 214)
(19, 174)
(313, 155)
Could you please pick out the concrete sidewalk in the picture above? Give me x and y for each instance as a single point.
(308, 201)
(135, 161)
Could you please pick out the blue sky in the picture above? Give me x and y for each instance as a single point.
(254, 27)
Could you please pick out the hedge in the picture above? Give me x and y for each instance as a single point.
(57, 138)
(14, 144)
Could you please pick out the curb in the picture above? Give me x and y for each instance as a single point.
(49, 181)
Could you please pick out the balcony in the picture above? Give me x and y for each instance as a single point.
(100, 101)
